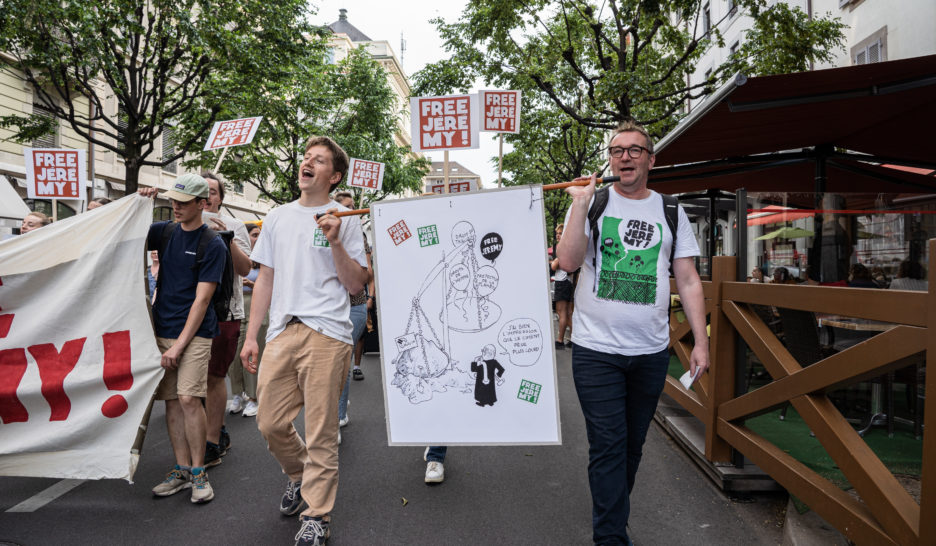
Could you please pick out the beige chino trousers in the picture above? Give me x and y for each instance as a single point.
(302, 367)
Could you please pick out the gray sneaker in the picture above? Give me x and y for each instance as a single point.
(176, 480)
(314, 532)
(292, 501)
(201, 489)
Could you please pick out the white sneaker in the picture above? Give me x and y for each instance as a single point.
(250, 410)
(339, 436)
(435, 472)
(347, 416)
(236, 405)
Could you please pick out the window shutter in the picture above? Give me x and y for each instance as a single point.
(47, 140)
(169, 148)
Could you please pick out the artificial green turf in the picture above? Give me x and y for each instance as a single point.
(902, 454)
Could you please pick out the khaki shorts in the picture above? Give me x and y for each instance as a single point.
(191, 377)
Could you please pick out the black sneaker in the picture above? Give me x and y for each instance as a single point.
(224, 441)
(559, 345)
(314, 532)
(358, 374)
(212, 454)
(292, 501)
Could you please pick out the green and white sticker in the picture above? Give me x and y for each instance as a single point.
(428, 235)
(529, 391)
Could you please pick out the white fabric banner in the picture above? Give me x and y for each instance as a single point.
(78, 359)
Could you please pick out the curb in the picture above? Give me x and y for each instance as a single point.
(809, 529)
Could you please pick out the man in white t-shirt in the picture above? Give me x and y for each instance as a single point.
(310, 260)
(620, 326)
(224, 346)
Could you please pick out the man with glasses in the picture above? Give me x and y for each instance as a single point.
(620, 326)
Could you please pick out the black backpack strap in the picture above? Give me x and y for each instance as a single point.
(597, 208)
(164, 238)
(671, 212)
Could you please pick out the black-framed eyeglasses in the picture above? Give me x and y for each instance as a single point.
(634, 151)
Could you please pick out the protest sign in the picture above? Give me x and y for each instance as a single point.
(444, 123)
(465, 319)
(366, 174)
(235, 132)
(455, 186)
(500, 111)
(79, 362)
(55, 173)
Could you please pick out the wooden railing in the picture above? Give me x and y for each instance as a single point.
(885, 513)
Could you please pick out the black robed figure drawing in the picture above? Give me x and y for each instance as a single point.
(487, 371)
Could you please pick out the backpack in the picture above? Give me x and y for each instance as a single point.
(224, 291)
(670, 211)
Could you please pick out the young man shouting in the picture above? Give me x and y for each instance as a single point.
(310, 261)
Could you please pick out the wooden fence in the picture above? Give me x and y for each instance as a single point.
(885, 513)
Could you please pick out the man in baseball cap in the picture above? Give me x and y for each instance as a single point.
(185, 324)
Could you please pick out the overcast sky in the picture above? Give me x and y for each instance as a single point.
(382, 20)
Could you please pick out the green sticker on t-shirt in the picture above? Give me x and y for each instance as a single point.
(320, 239)
(628, 262)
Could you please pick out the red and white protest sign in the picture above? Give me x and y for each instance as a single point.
(444, 123)
(366, 174)
(55, 173)
(235, 132)
(455, 186)
(74, 386)
(399, 232)
(500, 111)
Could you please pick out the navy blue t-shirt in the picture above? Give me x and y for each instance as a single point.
(180, 276)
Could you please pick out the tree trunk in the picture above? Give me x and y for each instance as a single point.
(132, 174)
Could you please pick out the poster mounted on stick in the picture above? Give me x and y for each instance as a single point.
(78, 359)
(365, 174)
(500, 111)
(444, 123)
(234, 132)
(55, 173)
(466, 327)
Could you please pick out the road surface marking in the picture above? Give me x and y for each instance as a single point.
(46, 496)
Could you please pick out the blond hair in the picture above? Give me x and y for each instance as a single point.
(628, 126)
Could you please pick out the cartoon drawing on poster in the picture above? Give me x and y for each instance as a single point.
(488, 372)
(522, 340)
(461, 310)
(424, 364)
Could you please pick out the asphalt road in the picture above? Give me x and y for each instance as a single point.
(496, 495)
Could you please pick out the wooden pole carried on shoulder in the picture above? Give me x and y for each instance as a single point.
(547, 187)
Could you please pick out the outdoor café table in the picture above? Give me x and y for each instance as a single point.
(872, 327)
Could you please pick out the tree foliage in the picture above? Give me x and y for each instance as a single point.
(631, 58)
(155, 57)
(350, 101)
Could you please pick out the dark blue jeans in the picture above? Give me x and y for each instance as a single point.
(436, 453)
(619, 395)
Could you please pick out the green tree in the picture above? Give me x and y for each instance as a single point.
(632, 58)
(350, 101)
(155, 57)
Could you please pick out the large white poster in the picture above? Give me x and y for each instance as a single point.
(78, 360)
(465, 319)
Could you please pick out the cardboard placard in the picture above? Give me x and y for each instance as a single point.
(234, 132)
(55, 173)
(500, 111)
(444, 123)
(366, 174)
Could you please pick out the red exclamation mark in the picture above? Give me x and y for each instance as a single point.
(117, 374)
(5, 321)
